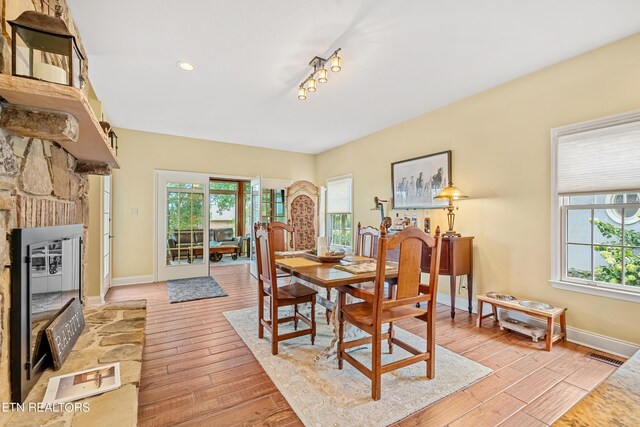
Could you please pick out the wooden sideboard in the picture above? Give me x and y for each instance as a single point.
(456, 259)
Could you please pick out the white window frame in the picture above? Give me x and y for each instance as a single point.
(558, 217)
(349, 248)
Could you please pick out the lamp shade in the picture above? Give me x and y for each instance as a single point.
(322, 76)
(311, 85)
(451, 193)
(336, 64)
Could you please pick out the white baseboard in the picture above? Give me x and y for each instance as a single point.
(461, 302)
(131, 280)
(574, 335)
(94, 301)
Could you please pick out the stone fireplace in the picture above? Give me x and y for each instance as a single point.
(50, 140)
(38, 188)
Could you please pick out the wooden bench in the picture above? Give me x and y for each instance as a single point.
(550, 316)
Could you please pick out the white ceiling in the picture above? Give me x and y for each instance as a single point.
(401, 58)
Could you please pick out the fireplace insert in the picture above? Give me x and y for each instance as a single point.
(46, 273)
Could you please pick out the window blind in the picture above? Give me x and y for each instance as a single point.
(599, 161)
(339, 195)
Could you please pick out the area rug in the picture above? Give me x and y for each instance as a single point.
(322, 395)
(194, 288)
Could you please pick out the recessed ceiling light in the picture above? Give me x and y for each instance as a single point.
(186, 66)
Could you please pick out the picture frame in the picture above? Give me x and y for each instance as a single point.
(415, 182)
(82, 384)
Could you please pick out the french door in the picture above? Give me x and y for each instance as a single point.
(256, 200)
(105, 281)
(182, 234)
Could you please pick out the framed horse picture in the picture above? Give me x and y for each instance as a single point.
(415, 182)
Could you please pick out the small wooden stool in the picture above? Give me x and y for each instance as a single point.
(550, 316)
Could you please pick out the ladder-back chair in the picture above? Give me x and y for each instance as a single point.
(369, 316)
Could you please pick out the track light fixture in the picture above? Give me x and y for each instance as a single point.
(319, 71)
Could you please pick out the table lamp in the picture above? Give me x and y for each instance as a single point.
(451, 193)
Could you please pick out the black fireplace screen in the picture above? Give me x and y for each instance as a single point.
(46, 273)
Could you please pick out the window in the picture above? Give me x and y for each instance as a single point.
(598, 249)
(339, 215)
(631, 216)
(596, 209)
(229, 206)
(185, 219)
(273, 205)
(223, 205)
(248, 227)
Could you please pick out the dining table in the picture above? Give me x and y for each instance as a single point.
(326, 275)
(329, 276)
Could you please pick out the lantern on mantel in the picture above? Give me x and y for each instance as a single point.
(42, 48)
(114, 140)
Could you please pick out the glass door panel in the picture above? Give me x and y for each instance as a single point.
(185, 219)
(182, 212)
(255, 218)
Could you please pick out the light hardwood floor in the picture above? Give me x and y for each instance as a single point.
(196, 370)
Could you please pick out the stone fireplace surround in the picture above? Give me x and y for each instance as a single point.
(38, 187)
(41, 184)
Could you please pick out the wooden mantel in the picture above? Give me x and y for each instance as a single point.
(92, 145)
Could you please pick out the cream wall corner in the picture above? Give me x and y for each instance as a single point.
(501, 158)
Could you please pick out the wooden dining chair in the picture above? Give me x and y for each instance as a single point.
(367, 241)
(366, 246)
(283, 296)
(369, 316)
(284, 236)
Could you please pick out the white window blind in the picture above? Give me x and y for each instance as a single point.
(339, 195)
(598, 161)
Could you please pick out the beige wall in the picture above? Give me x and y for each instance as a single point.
(501, 158)
(141, 153)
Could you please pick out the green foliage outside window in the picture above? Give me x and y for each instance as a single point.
(222, 202)
(611, 270)
(185, 210)
(225, 199)
(341, 229)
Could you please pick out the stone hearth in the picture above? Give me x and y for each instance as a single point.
(113, 333)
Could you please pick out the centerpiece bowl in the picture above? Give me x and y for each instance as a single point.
(331, 256)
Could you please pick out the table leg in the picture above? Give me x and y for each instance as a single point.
(480, 304)
(470, 291)
(328, 311)
(452, 289)
(494, 309)
(563, 325)
(549, 334)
